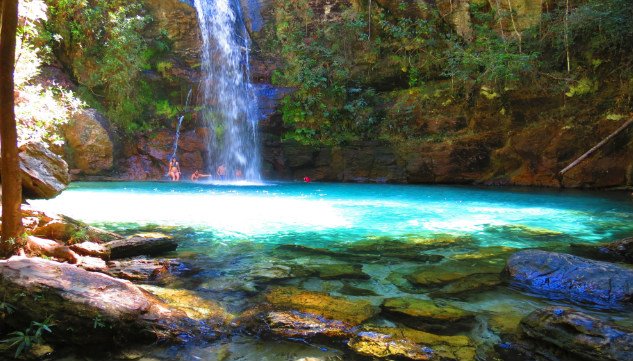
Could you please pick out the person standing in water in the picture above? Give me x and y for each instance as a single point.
(221, 171)
(174, 170)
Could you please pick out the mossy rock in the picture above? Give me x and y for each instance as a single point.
(426, 315)
(523, 231)
(472, 283)
(338, 271)
(447, 347)
(322, 304)
(351, 290)
(440, 275)
(378, 345)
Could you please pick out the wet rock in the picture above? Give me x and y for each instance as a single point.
(563, 276)
(195, 306)
(139, 269)
(351, 290)
(619, 251)
(584, 336)
(469, 284)
(335, 308)
(295, 324)
(142, 244)
(337, 271)
(383, 346)
(446, 347)
(90, 147)
(77, 299)
(427, 315)
(440, 275)
(271, 272)
(44, 174)
(411, 249)
(521, 231)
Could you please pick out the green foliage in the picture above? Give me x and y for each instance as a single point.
(23, 340)
(104, 41)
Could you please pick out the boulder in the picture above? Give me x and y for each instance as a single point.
(563, 276)
(89, 147)
(44, 174)
(459, 347)
(139, 269)
(87, 303)
(143, 244)
(584, 336)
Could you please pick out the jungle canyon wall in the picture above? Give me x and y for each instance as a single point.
(347, 99)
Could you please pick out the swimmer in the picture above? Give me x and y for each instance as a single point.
(221, 171)
(197, 175)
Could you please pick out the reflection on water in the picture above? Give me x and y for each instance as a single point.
(360, 242)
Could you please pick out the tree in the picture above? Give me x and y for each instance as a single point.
(10, 168)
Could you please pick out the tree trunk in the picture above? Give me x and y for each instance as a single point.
(10, 168)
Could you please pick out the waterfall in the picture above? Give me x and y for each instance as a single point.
(229, 105)
(182, 117)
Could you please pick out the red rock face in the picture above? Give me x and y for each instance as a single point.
(88, 143)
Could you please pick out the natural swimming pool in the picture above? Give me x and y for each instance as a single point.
(354, 241)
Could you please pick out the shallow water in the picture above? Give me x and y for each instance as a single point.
(232, 236)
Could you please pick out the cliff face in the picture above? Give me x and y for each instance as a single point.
(524, 136)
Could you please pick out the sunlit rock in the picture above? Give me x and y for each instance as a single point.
(563, 276)
(459, 348)
(336, 308)
(469, 284)
(292, 324)
(44, 174)
(89, 147)
(379, 345)
(194, 306)
(427, 314)
(436, 276)
(336, 271)
(88, 303)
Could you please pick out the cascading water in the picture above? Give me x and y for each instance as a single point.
(229, 103)
(182, 117)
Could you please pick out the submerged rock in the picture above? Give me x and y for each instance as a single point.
(142, 244)
(621, 251)
(469, 284)
(379, 345)
(196, 307)
(44, 174)
(336, 271)
(441, 275)
(335, 308)
(446, 347)
(293, 324)
(584, 336)
(563, 276)
(426, 314)
(87, 303)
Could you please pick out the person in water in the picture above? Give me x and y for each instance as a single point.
(174, 170)
(307, 179)
(197, 175)
(221, 171)
(238, 173)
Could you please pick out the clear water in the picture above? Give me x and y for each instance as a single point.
(229, 104)
(229, 232)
